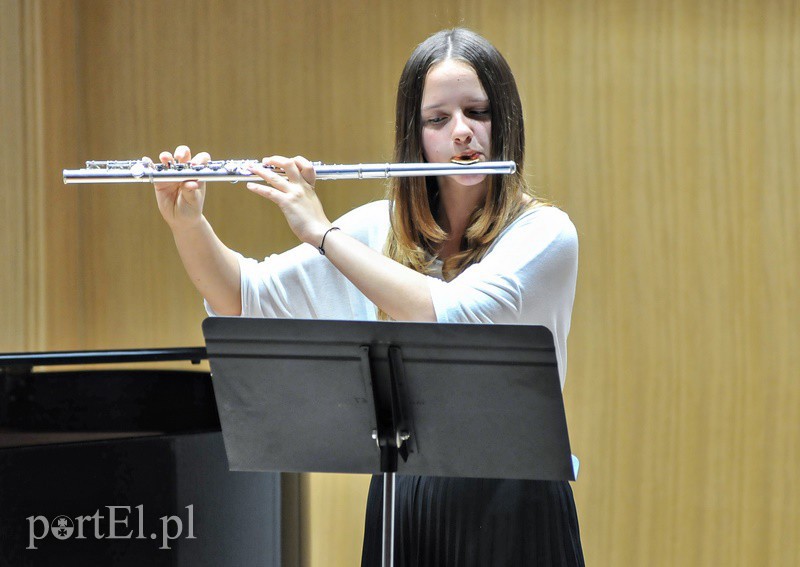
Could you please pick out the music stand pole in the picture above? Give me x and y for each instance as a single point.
(388, 519)
(391, 436)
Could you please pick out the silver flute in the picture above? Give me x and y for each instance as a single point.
(142, 171)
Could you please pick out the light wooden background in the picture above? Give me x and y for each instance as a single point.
(669, 131)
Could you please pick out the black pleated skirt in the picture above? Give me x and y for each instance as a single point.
(466, 522)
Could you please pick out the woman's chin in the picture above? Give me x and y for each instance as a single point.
(469, 180)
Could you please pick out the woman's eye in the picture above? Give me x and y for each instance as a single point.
(435, 120)
(482, 112)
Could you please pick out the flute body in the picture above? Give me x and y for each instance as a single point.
(139, 171)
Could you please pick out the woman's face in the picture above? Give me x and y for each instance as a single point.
(456, 118)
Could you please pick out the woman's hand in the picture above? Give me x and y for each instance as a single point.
(294, 195)
(181, 204)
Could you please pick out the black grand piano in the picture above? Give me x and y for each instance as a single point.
(104, 466)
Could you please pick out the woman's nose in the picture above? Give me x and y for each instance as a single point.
(462, 132)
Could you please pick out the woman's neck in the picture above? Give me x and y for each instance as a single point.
(456, 205)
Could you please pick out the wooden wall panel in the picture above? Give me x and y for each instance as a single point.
(13, 314)
(668, 131)
(40, 283)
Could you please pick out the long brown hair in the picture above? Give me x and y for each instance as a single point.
(415, 235)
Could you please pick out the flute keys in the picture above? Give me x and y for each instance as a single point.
(138, 169)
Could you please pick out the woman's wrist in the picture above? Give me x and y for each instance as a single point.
(187, 226)
(316, 233)
(321, 246)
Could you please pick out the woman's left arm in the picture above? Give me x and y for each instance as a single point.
(400, 292)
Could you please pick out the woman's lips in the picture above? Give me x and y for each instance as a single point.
(467, 158)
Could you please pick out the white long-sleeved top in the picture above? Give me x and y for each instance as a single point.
(526, 278)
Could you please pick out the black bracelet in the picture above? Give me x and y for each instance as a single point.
(324, 236)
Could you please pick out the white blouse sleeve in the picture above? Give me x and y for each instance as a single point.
(528, 277)
(528, 273)
(302, 283)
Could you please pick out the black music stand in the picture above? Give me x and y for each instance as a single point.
(479, 401)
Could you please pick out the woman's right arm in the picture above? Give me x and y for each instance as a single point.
(212, 266)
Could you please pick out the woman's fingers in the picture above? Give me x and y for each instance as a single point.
(167, 159)
(288, 166)
(183, 154)
(266, 191)
(293, 193)
(287, 189)
(267, 172)
(297, 169)
(271, 179)
(306, 169)
(297, 173)
(202, 157)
